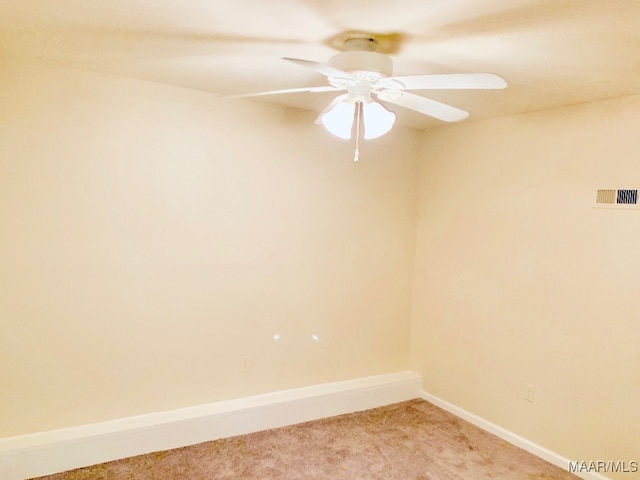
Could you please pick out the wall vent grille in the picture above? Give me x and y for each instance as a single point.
(627, 197)
(622, 198)
(606, 196)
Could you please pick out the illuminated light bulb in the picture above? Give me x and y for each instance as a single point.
(315, 338)
(339, 120)
(276, 337)
(377, 120)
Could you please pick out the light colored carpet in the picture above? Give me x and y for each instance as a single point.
(406, 441)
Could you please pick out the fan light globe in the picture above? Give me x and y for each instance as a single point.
(339, 120)
(377, 120)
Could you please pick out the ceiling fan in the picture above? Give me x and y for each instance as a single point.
(365, 76)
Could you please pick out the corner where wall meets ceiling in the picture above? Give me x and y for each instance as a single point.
(550, 53)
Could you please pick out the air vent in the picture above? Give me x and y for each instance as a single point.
(627, 197)
(606, 196)
(617, 198)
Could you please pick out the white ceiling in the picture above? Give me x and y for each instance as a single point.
(551, 52)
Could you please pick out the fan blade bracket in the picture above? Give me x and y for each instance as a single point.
(388, 95)
(389, 84)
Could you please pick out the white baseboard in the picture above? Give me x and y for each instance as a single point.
(44, 453)
(512, 438)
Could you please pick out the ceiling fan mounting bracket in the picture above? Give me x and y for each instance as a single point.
(350, 40)
(360, 44)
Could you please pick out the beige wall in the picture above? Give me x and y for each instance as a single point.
(151, 237)
(519, 280)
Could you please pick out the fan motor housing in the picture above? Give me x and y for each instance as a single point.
(352, 62)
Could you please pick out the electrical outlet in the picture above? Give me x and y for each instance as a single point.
(246, 364)
(529, 392)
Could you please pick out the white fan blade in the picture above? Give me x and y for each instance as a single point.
(335, 101)
(324, 69)
(327, 88)
(451, 81)
(438, 110)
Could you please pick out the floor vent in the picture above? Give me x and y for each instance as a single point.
(617, 198)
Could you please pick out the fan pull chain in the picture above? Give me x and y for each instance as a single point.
(359, 106)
